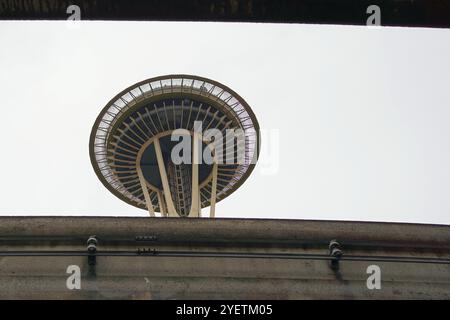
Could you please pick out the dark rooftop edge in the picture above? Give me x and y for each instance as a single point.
(231, 230)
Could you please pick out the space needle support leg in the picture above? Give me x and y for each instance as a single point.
(162, 205)
(212, 208)
(165, 182)
(195, 205)
(148, 200)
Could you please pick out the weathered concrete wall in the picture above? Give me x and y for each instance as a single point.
(177, 276)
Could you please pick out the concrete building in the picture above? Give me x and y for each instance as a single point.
(190, 258)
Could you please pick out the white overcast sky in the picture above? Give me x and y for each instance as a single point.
(362, 114)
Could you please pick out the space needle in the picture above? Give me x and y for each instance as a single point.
(136, 140)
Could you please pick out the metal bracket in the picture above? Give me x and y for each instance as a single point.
(147, 251)
(146, 238)
(335, 251)
(92, 250)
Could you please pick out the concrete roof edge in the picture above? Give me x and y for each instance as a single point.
(231, 230)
